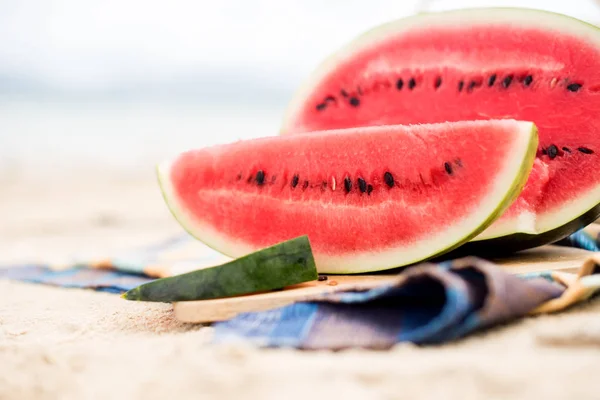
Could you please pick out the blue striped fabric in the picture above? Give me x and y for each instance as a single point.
(429, 303)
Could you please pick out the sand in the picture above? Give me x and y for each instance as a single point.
(77, 344)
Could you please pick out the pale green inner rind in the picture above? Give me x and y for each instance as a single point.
(372, 261)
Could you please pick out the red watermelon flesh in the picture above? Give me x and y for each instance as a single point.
(475, 65)
(368, 198)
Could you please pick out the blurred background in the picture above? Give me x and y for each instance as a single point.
(114, 86)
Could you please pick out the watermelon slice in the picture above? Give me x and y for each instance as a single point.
(368, 198)
(480, 64)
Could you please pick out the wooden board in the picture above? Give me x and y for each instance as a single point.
(555, 258)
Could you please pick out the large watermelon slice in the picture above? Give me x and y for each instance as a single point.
(480, 64)
(368, 198)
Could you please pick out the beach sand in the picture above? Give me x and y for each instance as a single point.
(78, 344)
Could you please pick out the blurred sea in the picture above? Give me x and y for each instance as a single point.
(55, 139)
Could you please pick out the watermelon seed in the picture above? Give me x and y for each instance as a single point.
(362, 185)
(574, 87)
(250, 178)
(329, 98)
(344, 93)
(553, 83)
(295, 181)
(527, 80)
(369, 189)
(347, 184)
(412, 83)
(491, 80)
(389, 179)
(438, 82)
(507, 81)
(473, 85)
(333, 183)
(260, 177)
(448, 168)
(544, 151)
(460, 86)
(354, 102)
(324, 185)
(305, 185)
(566, 149)
(321, 106)
(322, 278)
(585, 150)
(399, 84)
(552, 151)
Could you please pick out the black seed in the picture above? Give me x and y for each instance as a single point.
(438, 82)
(460, 86)
(347, 184)
(354, 102)
(260, 177)
(344, 93)
(492, 80)
(295, 180)
(362, 185)
(321, 106)
(389, 179)
(527, 80)
(552, 151)
(305, 185)
(369, 189)
(412, 83)
(585, 150)
(448, 168)
(324, 185)
(507, 81)
(573, 87)
(544, 151)
(322, 278)
(399, 84)
(566, 149)
(472, 85)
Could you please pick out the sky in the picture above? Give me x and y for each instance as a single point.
(91, 45)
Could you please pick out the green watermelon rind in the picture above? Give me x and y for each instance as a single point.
(497, 240)
(512, 192)
(284, 264)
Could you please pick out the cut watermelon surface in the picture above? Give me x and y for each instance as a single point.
(475, 65)
(368, 198)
